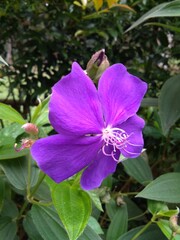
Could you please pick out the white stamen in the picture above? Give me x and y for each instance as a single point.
(118, 139)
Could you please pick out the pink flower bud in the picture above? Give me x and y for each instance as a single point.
(30, 128)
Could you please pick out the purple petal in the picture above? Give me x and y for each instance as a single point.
(133, 127)
(74, 104)
(101, 167)
(61, 156)
(120, 94)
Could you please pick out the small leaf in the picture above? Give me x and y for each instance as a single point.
(98, 4)
(119, 223)
(167, 9)
(138, 169)
(47, 223)
(169, 99)
(164, 188)
(165, 228)
(8, 228)
(10, 114)
(96, 200)
(73, 206)
(156, 206)
(123, 7)
(40, 115)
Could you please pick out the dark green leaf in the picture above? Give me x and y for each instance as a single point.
(138, 169)
(169, 99)
(30, 228)
(164, 188)
(9, 209)
(47, 223)
(16, 171)
(119, 223)
(8, 228)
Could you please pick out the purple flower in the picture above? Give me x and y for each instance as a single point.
(94, 126)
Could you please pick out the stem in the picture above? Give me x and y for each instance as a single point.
(142, 230)
(29, 176)
(41, 178)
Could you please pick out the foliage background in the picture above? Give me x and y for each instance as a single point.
(39, 40)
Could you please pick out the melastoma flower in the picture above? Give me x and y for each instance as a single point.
(94, 126)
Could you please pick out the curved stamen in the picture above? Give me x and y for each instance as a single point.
(118, 139)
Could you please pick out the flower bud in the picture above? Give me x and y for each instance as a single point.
(97, 65)
(174, 224)
(30, 128)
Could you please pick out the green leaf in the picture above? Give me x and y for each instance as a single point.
(96, 200)
(111, 208)
(8, 228)
(172, 28)
(40, 115)
(169, 99)
(73, 206)
(167, 9)
(164, 226)
(89, 234)
(30, 228)
(16, 171)
(47, 223)
(9, 209)
(164, 188)
(133, 210)
(153, 232)
(93, 223)
(138, 169)
(156, 206)
(119, 223)
(149, 102)
(10, 114)
(8, 152)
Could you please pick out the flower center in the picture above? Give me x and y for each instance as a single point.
(117, 138)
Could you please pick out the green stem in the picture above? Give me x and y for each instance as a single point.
(142, 230)
(41, 178)
(153, 219)
(29, 176)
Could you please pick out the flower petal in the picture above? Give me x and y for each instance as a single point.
(120, 94)
(101, 167)
(74, 104)
(133, 127)
(61, 156)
